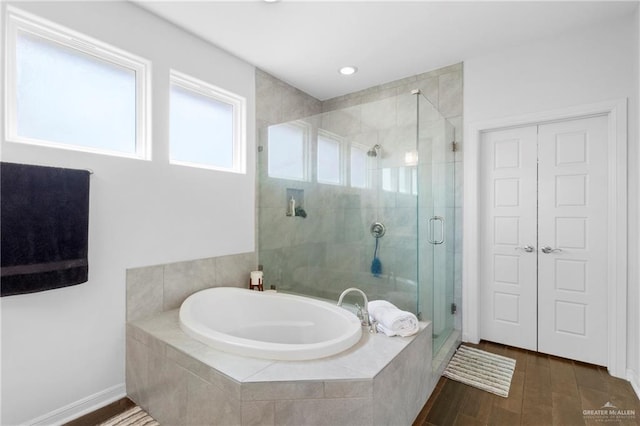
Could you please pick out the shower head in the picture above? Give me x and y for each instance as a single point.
(374, 151)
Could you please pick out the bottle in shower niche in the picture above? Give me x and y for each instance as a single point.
(291, 208)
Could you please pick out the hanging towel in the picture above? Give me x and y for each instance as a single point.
(44, 224)
(391, 320)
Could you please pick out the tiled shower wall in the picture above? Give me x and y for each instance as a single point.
(331, 249)
(278, 102)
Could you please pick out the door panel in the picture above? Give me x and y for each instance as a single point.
(572, 220)
(508, 292)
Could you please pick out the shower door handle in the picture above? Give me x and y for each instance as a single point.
(432, 221)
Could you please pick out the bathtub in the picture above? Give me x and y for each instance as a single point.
(267, 324)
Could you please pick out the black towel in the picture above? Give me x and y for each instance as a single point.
(44, 228)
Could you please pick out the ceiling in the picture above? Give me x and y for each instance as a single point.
(305, 42)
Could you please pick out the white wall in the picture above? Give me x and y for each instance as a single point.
(595, 64)
(61, 346)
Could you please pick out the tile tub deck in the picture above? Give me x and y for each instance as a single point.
(181, 381)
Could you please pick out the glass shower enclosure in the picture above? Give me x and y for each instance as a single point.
(362, 196)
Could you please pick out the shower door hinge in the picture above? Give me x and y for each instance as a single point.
(454, 309)
(454, 146)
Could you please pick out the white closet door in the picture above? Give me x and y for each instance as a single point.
(572, 221)
(508, 291)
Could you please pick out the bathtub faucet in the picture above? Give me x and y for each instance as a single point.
(363, 314)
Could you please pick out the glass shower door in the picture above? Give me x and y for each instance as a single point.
(436, 220)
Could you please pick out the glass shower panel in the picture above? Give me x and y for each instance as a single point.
(346, 169)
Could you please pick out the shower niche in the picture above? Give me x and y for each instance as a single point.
(294, 203)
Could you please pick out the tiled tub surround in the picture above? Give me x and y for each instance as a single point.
(154, 289)
(180, 381)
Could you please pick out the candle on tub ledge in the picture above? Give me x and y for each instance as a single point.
(255, 281)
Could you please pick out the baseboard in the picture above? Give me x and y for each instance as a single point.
(467, 339)
(632, 377)
(81, 407)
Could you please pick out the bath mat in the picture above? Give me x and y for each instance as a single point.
(481, 369)
(135, 416)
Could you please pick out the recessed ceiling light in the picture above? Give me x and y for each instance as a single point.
(271, 1)
(348, 70)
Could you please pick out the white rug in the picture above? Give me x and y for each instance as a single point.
(135, 416)
(481, 369)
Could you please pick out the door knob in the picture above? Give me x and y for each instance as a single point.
(528, 249)
(547, 250)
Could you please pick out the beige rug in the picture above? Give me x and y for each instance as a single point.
(481, 369)
(135, 416)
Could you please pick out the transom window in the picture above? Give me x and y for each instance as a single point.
(330, 167)
(67, 90)
(288, 151)
(358, 167)
(207, 125)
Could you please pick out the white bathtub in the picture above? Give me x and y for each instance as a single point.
(267, 324)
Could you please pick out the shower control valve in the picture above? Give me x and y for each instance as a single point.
(377, 230)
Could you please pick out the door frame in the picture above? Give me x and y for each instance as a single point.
(616, 112)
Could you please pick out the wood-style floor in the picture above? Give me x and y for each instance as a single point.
(545, 390)
(103, 414)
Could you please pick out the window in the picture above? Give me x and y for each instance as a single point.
(329, 160)
(414, 181)
(288, 151)
(207, 126)
(389, 179)
(67, 90)
(359, 162)
(404, 180)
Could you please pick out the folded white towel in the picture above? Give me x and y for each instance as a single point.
(391, 320)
